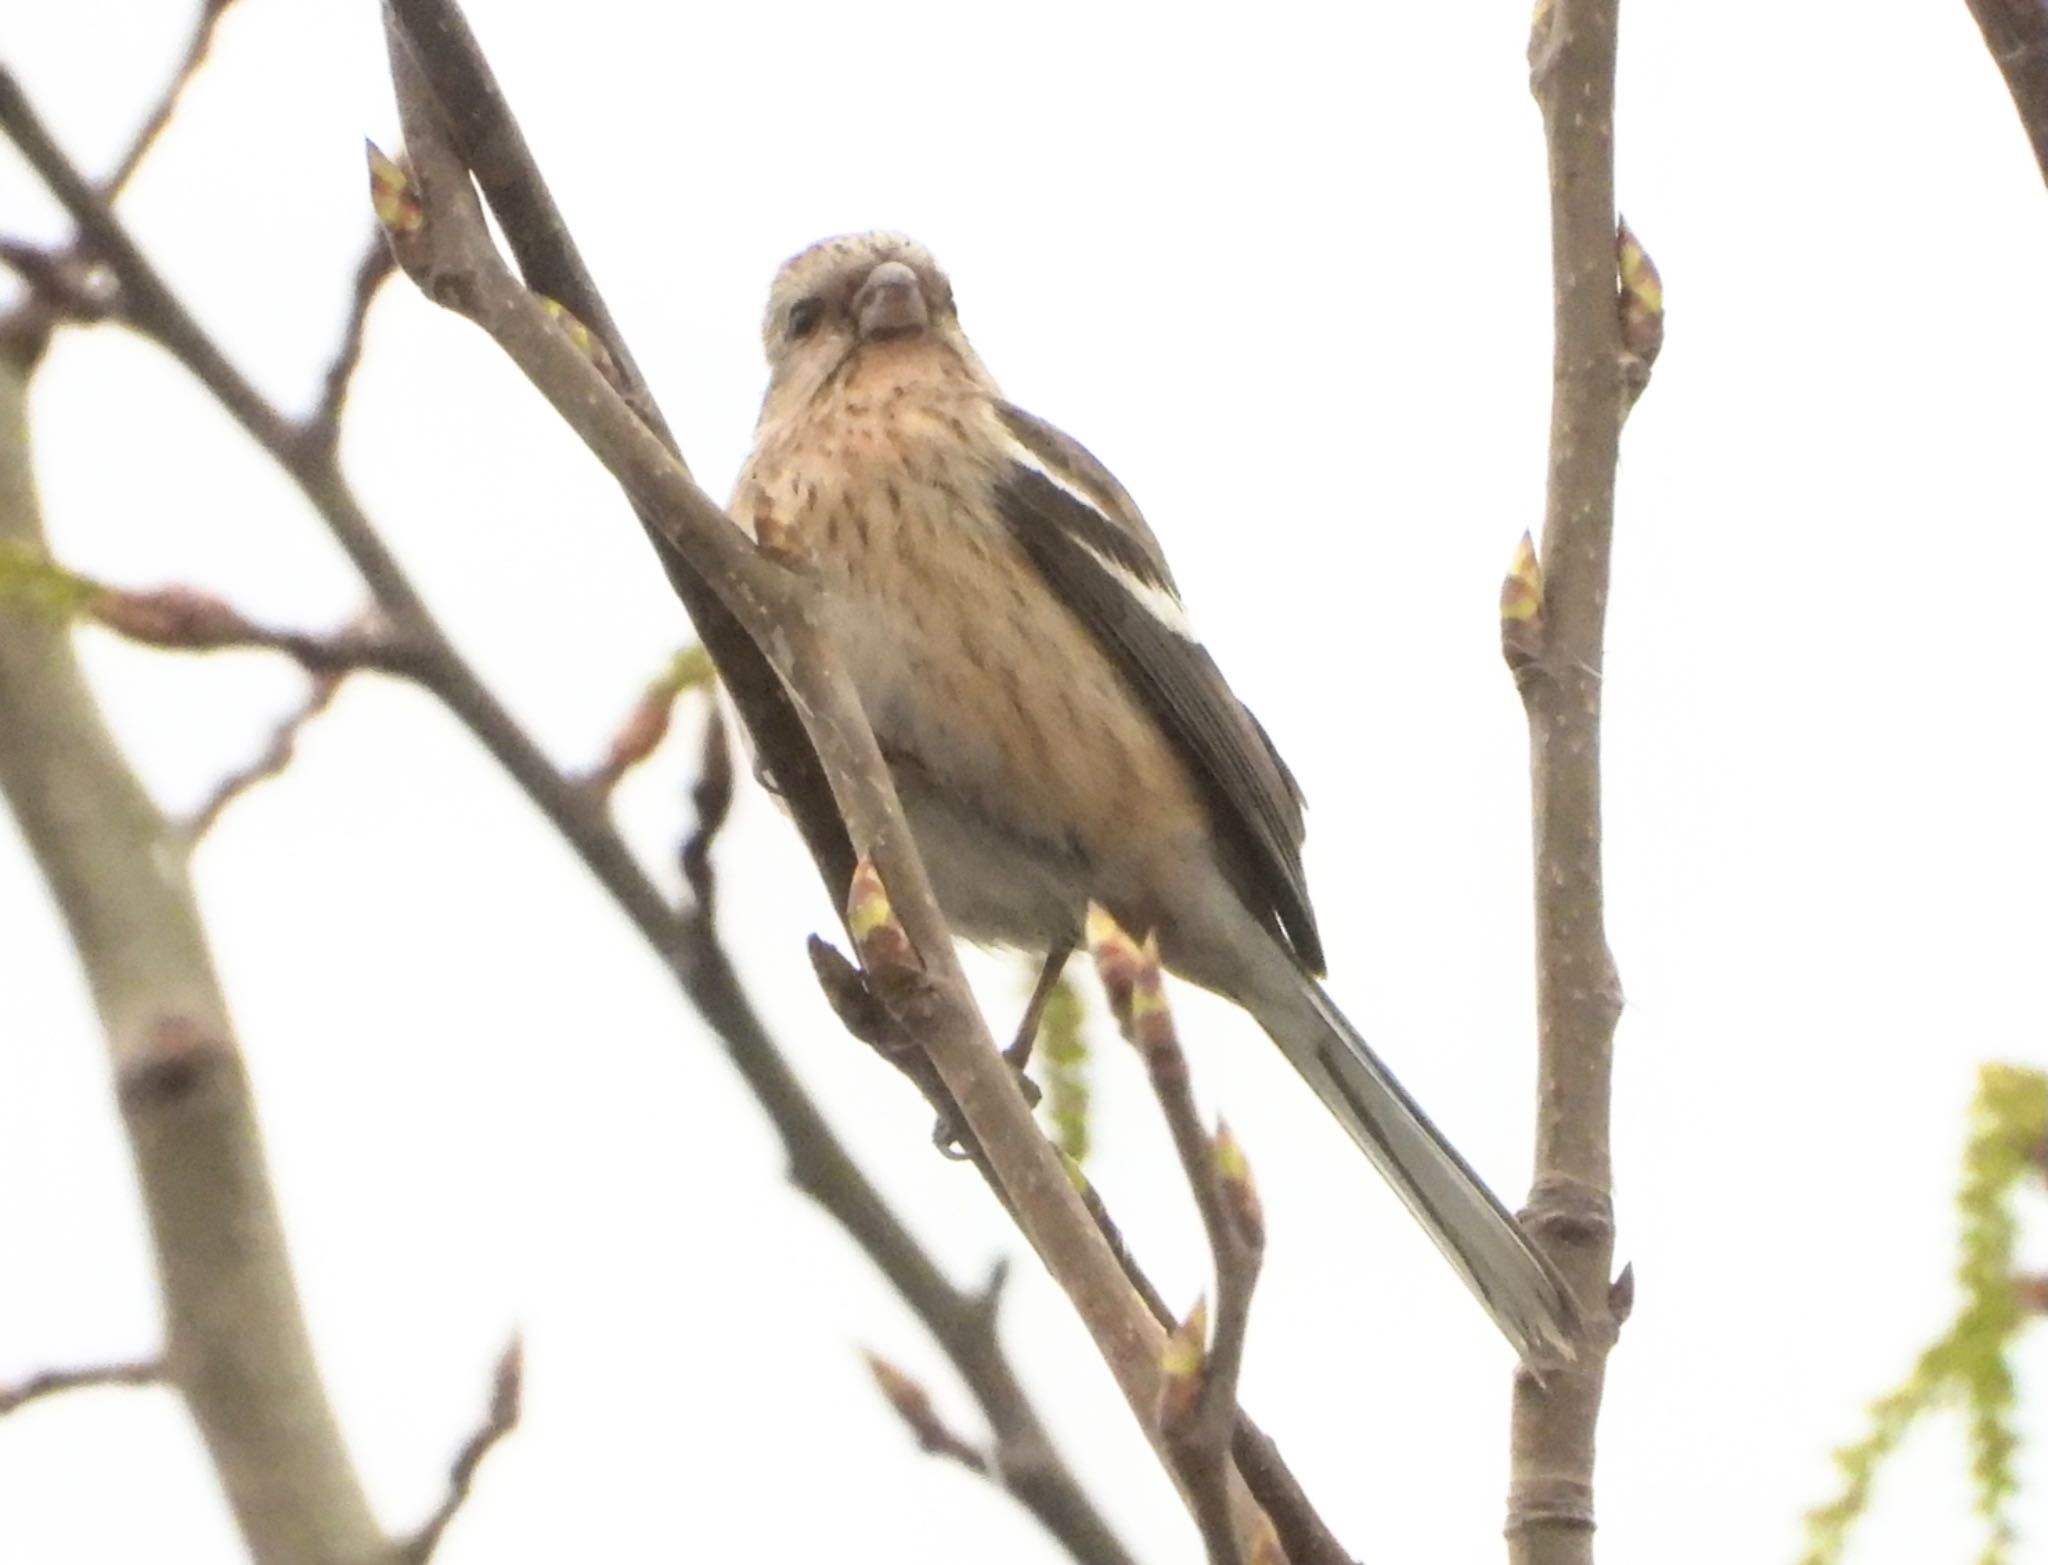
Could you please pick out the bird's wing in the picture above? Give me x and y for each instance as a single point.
(1087, 539)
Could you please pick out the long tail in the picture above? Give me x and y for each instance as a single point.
(1521, 1290)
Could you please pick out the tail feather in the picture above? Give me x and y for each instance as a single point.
(1521, 1290)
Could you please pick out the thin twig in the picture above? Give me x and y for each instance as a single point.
(48, 1383)
(184, 619)
(1305, 1537)
(1558, 599)
(500, 1419)
(913, 1404)
(271, 762)
(1200, 1410)
(646, 725)
(210, 14)
(321, 429)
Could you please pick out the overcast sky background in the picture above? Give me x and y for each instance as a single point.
(1285, 270)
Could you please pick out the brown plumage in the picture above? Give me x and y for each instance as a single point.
(1057, 734)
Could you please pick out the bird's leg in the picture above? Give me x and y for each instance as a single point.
(946, 1134)
(1019, 1051)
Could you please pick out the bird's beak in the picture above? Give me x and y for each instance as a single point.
(890, 303)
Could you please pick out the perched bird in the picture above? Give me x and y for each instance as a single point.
(1055, 731)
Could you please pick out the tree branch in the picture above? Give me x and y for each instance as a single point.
(2016, 33)
(1554, 609)
(500, 1419)
(1199, 1409)
(688, 942)
(236, 1343)
(53, 1382)
(913, 1404)
(447, 250)
(201, 45)
(322, 427)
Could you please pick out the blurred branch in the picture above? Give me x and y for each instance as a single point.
(500, 1419)
(203, 29)
(275, 757)
(646, 725)
(687, 941)
(322, 427)
(64, 284)
(1553, 615)
(236, 1343)
(913, 1404)
(2016, 33)
(49, 1383)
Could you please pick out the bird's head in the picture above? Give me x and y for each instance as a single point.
(853, 295)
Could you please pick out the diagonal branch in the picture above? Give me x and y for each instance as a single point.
(447, 250)
(688, 942)
(322, 427)
(196, 51)
(501, 1417)
(2016, 33)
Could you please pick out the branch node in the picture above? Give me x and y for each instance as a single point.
(1568, 1211)
(1549, 1503)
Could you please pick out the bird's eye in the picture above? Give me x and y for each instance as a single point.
(804, 316)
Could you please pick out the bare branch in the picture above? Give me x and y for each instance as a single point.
(819, 1163)
(1305, 1536)
(1554, 610)
(500, 1419)
(275, 757)
(236, 1343)
(322, 427)
(2016, 33)
(1199, 1411)
(646, 725)
(210, 14)
(913, 1404)
(450, 255)
(145, 1372)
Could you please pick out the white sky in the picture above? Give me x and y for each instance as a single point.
(1285, 272)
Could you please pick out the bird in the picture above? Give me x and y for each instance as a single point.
(1056, 733)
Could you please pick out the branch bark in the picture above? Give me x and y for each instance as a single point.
(1556, 650)
(687, 941)
(2016, 33)
(450, 254)
(235, 1340)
